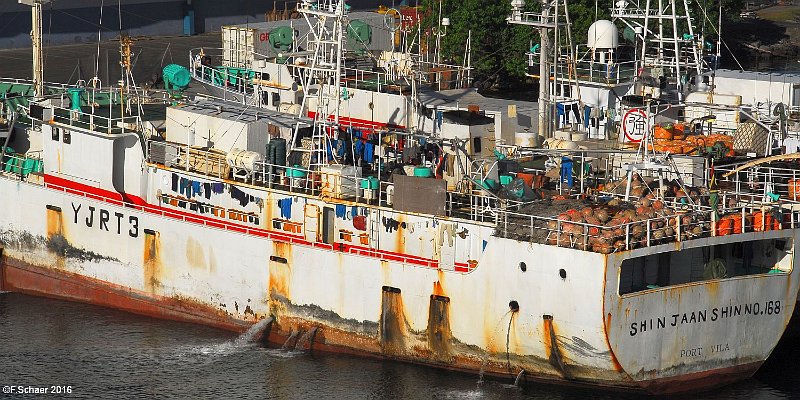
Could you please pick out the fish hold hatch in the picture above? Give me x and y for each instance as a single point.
(393, 322)
(439, 333)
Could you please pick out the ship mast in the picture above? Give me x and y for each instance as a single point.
(327, 20)
(671, 52)
(36, 39)
(545, 21)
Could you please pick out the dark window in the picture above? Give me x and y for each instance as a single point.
(476, 145)
(265, 98)
(705, 263)
(56, 133)
(67, 137)
(276, 99)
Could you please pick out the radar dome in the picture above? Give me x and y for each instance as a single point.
(603, 34)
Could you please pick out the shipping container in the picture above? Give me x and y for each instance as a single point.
(243, 43)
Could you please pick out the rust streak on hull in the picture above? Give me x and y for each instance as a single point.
(21, 277)
(18, 276)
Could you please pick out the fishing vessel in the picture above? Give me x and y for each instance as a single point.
(450, 250)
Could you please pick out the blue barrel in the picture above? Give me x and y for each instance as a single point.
(423, 172)
(370, 183)
(295, 172)
(176, 76)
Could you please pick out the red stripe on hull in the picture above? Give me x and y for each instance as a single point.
(138, 203)
(21, 277)
(93, 192)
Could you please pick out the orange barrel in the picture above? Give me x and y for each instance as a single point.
(763, 221)
(794, 188)
(663, 132)
(758, 221)
(724, 226)
(737, 223)
(527, 178)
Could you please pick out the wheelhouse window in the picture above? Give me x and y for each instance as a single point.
(769, 256)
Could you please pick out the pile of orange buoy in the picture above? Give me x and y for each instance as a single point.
(604, 228)
(674, 139)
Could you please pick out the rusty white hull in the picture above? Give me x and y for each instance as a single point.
(68, 240)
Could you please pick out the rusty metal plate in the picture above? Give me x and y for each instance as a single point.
(420, 195)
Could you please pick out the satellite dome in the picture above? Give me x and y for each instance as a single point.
(603, 34)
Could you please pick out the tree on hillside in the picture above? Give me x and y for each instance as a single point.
(499, 49)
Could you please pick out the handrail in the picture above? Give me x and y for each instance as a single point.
(688, 221)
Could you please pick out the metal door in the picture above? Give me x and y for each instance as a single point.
(311, 222)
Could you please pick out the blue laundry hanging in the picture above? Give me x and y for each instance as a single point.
(196, 188)
(359, 147)
(369, 152)
(218, 187)
(184, 187)
(566, 171)
(286, 208)
(341, 211)
(587, 113)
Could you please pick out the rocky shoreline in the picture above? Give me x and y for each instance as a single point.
(770, 41)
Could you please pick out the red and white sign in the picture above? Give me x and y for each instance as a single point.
(634, 125)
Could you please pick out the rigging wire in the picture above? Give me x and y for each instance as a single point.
(711, 24)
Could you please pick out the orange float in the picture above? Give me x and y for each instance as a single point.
(794, 188)
(663, 132)
(724, 226)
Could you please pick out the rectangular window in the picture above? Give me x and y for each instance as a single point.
(276, 99)
(699, 264)
(476, 145)
(55, 134)
(67, 136)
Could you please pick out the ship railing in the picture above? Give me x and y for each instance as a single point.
(21, 166)
(235, 82)
(593, 71)
(357, 78)
(96, 121)
(477, 205)
(27, 82)
(442, 76)
(759, 183)
(627, 233)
